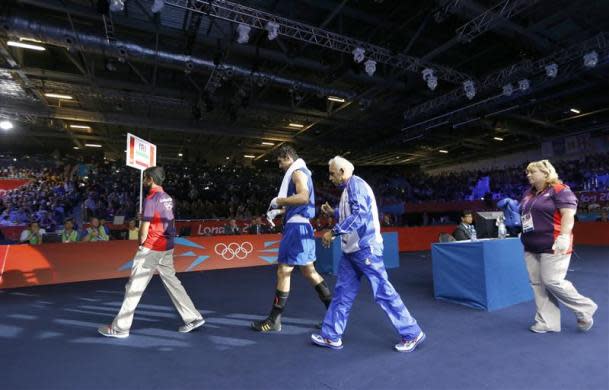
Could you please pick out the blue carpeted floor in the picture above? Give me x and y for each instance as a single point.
(48, 338)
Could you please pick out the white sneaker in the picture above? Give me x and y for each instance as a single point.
(109, 331)
(191, 326)
(318, 339)
(538, 328)
(409, 345)
(584, 325)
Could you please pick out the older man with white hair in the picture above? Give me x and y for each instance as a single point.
(362, 245)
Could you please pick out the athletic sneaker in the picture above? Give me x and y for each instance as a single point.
(109, 331)
(408, 345)
(191, 326)
(584, 325)
(538, 328)
(266, 325)
(317, 339)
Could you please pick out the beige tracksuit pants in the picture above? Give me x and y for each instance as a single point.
(547, 276)
(145, 263)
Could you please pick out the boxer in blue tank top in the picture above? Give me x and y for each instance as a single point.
(297, 247)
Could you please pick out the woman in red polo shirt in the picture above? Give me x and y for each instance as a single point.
(548, 212)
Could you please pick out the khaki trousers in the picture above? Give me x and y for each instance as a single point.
(145, 263)
(547, 276)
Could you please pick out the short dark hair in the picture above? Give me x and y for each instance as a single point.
(286, 151)
(157, 174)
(465, 213)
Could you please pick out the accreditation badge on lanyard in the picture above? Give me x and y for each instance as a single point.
(527, 223)
(527, 219)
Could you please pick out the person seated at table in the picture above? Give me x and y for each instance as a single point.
(69, 234)
(32, 235)
(95, 232)
(132, 230)
(232, 228)
(257, 227)
(466, 229)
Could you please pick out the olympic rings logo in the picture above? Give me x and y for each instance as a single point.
(234, 250)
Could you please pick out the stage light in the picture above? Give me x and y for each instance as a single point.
(469, 88)
(6, 125)
(551, 70)
(157, 6)
(524, 85)
(58, 96)
(244, 33)
(25, 45)
(273, 29)
(117, 5)
(430, 78)
(358, 54)
(590, 59)
(370, 67)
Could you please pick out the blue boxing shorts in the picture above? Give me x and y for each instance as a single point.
(297, 245)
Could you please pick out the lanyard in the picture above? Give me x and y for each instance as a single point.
(535, 198)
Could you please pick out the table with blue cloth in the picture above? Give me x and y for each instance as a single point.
(484, 274)
(329, 258)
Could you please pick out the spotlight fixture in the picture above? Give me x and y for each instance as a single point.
(6, 125)
(430, 78)
(358, 54)
(117, 5)
(524, 85)
(157, 6)
(551, 70)
(244, 33)
(508, 89)
(591, 59)
(469, 88)
(273, 29)
(370, 67)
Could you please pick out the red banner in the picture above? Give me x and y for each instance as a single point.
(11, 184)
(28, 265)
